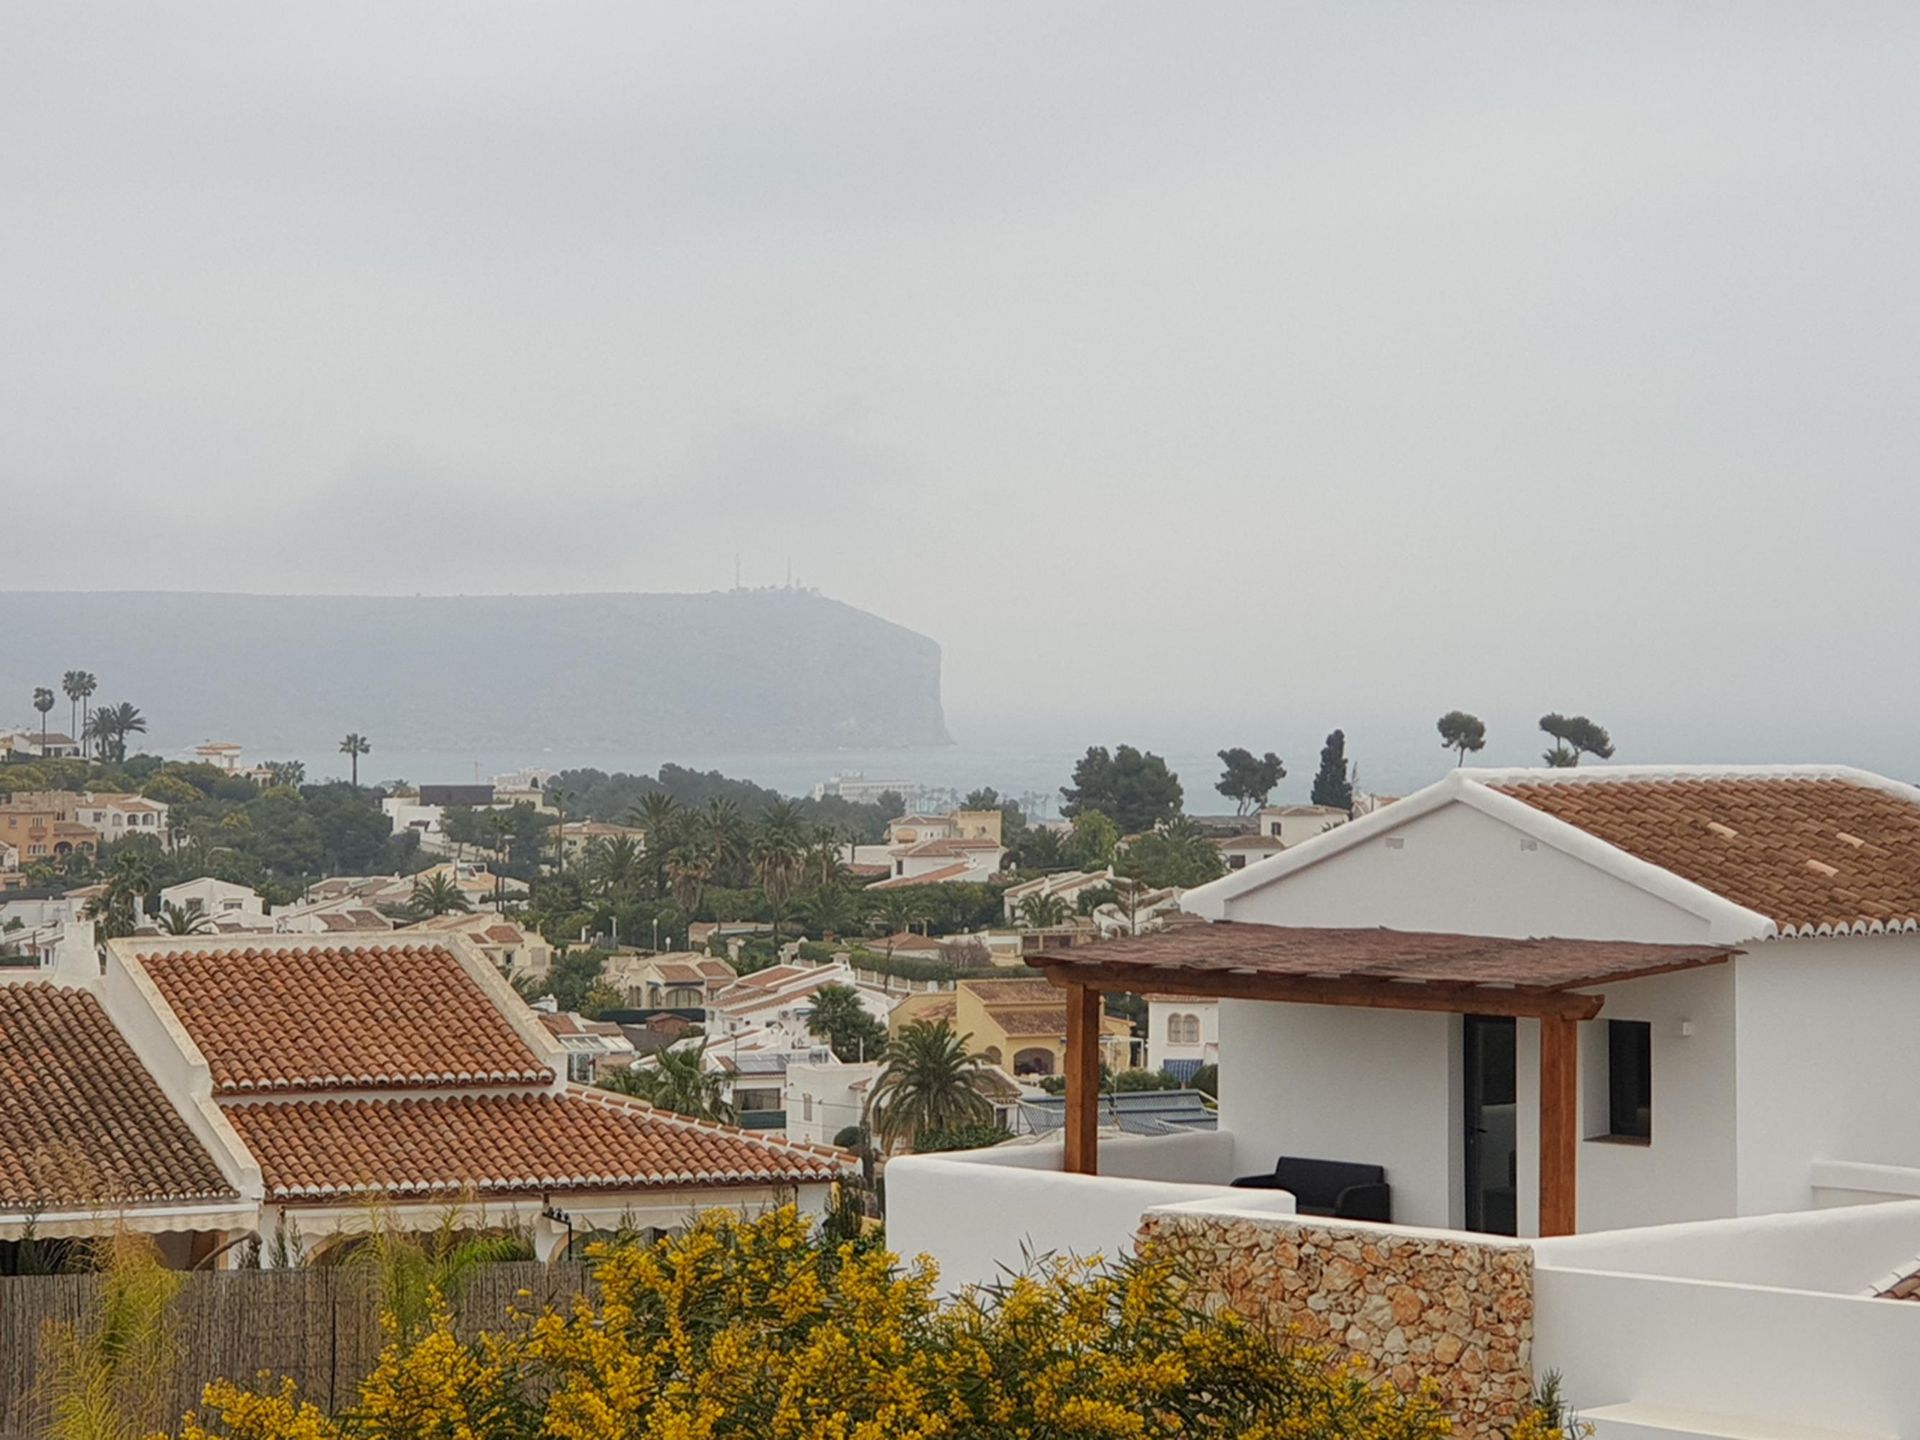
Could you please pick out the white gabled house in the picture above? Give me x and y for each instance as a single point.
(1654, 1020)
(1763, 1077)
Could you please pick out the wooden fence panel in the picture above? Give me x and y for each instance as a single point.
(318, 1327)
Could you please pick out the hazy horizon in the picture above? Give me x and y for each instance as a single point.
(1221, 376)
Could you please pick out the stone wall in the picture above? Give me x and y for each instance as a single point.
(1409, 1304)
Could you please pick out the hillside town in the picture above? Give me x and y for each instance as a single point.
(1546, 1024)
(860, 721)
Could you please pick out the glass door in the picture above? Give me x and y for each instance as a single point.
(1492, 1146)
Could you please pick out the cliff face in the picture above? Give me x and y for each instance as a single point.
(757, 670)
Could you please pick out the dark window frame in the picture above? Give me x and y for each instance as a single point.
(1630, 1080)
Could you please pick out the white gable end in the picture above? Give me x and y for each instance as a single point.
(1452, 867)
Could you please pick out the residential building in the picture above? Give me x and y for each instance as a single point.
(1240, 851)
(34, 744)
(822, 1098)
(910, 830)
(44, 826)
(857, 789)
(595, 1048)
(779, 1000)
(1290, 824)
(577, 837)
(223, 754)
(203, 1088)
(221, 901)
(678, 980)
(1183, 1034)
(1020, 1025)
(1068, 885)
(515, 951)
(1648, 1019)
(114, 817)
(939, 862)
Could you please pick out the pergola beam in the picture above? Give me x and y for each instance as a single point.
(1307, 990)
(1083, 1081)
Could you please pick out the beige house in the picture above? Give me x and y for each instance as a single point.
(1019, 1025)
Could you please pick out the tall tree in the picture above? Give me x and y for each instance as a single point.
(177, 920)
(931, 1082)
(110, 727)
(689, 865)
(353, 747)
(1461, 732)
(43, 702)
(1132, 788)
(677, 1080)
(1574, 736)
(1333, 784)
(70, 686)
(841, 1019)
(83, 685)
(1044, 912)
(1175, 854)
(437, 895)
(778, 854)
(1248, 779)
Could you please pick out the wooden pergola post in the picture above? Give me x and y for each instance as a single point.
(1083, 1081)
(1559, 1123)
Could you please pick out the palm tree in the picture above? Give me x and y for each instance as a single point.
(689, 865)
(931, 1082)
(70, 685)
(828, 911)
(679, 1081)
(80, 685)
(895, 910)
(617, 866)
(1043, 912)
(289, 773)
(437, 894)
(659, 817)
(353, 747)
(177, 920)
(726, 834)
(110, 726)
(778, 857)
(43, 702)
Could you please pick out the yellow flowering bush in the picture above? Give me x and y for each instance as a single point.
(757, 1330)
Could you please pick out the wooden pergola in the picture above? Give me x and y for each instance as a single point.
(1543, 980)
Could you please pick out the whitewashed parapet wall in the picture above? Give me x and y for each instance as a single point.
(1409, 1304)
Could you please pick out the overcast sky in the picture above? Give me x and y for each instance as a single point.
(1219, 361)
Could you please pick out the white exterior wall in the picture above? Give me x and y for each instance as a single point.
(1824, 1062)
(1160, 1049)
(821, 1100)
(1385, 1087)
(981, 1213)
(1458, 870)
(1325, 1082)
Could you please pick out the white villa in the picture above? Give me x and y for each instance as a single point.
(1659, 1012)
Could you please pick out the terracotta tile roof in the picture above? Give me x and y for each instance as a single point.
(1251, 842)
(679, 974)
(1813, 853)
(80, 1118)
(935, 849)
(1032, 1022)
(507, 1144)
(932, 877)
(1901, 1285)
(503, 935)
(1302, 952)
(992, 993)
(286, 1017)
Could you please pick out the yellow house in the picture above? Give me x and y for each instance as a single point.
(1019, 1025)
